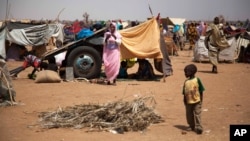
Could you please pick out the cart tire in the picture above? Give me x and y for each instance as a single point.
(86, 62)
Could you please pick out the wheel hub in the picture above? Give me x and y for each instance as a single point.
(84, 62)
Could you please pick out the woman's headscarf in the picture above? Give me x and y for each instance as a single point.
(112, 24)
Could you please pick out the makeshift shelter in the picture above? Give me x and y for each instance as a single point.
(243, 42)
(146, 41)
(173, 21)
(31, 34)
(228, 54)
(141, 41)
(244, 39)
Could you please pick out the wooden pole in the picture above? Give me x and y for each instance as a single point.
(150, 9)
(57, 18)
(7, 7)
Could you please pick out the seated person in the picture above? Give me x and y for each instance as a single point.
(145, 70)
(123, 70)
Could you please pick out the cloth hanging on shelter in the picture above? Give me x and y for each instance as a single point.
(146, 41)
(166, 62)
(228, 54)
(141, 41)
(34, 35)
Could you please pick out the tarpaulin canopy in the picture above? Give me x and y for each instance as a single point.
(34, 35)
(228, 54)
(29, 34)
(176, 21)
(173, 21)
(142, 41)
(146, 41)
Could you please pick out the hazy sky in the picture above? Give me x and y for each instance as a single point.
(125, 9)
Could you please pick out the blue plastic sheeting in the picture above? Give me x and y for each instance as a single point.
(176, 28)
(84, 33)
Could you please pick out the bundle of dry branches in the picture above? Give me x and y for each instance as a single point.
(120, 116)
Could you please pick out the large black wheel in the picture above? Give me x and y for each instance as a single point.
(86, 62)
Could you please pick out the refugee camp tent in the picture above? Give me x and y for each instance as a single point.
(174, 21)
(141, 41)
(229, 54)
(171, 22)
(145, 41)
(28, 34)
(244, 40)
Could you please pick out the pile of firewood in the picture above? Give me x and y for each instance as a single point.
(120, 116)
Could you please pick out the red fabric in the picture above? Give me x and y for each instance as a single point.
(25, 64)
(36, 63)
(31, 60)
(76, 27)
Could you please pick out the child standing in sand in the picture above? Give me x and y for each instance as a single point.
(193, 96)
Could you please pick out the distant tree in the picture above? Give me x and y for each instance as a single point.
(86, 17)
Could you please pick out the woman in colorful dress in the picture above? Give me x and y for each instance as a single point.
(192, 34)
(111, 53)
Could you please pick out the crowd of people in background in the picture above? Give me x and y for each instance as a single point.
(191, 31)
(181, 35)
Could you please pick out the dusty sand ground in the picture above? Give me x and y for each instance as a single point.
(226, 101)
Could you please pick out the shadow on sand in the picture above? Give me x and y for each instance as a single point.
(206, 72)
(181, 127)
